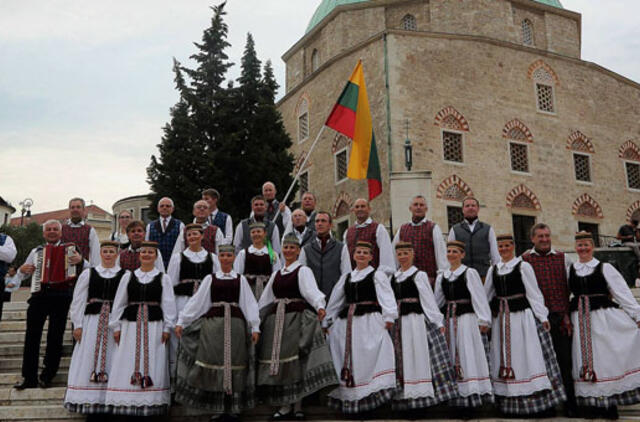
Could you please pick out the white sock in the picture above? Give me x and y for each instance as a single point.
(284, 410)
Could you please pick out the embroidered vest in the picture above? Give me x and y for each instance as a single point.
(509, 284)
(592, 284)
(457, 290)
(407, 289)
(79, 236)
(421, 237)
(149, 293)
(103, 289)
(190, 270)
(360, 291)
(367, 234)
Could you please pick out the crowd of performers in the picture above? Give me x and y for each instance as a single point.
(198, 316)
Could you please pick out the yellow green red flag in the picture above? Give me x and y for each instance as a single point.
(351, 116)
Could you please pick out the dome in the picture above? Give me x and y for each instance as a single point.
(326, 6)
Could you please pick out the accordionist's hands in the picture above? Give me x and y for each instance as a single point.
(27, 269)
(178, 330)
(255, 337)
(75, 259)
(165, 337)
(321, 314)
(116, 337)
(77, 334)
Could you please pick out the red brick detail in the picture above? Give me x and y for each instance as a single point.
(578, 141)
(450, 118)
(586, 206)
(632, 210)
(299, 161)
(339, 206)
(517, 131)
(541, 64)
(339, 141)
(522, 197)
(629, 151)
(453, 188)
(303, 104)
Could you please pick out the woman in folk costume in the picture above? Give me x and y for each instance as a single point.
(293, 357)
(215, 367)
(423, 367)
(606, 337)
(258, 261)
(144, 313)
(461, 296)
(93, 352)
(362, 310)
(186, 271)
(524, 370)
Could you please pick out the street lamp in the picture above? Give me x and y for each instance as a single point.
(26, 209)
(408, 149)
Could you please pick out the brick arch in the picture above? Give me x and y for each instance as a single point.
(299, 161)
(450, 118)
(523, 197)
(578, 141)
(629, 151)
(550, 73)
(303, 101)
(635, 207)
(586, 206)
(339, 141)
(453, 188)
(517, 131)
(338, 206)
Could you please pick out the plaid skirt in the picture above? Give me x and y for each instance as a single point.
(623, 399)
(542, 400)
(87, 408)
(476, 400)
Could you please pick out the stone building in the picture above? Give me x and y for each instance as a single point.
(495, 99)
(95, 216)
(6, 211)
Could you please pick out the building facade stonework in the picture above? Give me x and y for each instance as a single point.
(498, 104)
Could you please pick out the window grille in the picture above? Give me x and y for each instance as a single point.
(452, 144)
(519, 157)
(633, 175)
(582, 167)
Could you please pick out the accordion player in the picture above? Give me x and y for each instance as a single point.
(53, 267)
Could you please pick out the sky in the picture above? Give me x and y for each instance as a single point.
(86, 87)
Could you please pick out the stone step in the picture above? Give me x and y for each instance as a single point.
(13, 377)
(15, 306)
(14, 315)
(18, 337)
(15, 363)
(9, 350)
(48, 412)
(21, 326)
(32, 396)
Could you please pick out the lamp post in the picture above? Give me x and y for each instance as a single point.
(408, 149)
(26, 209)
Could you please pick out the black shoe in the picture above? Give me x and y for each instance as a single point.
(44, 382)
(611, 413)
(570, 412)
(25, 384)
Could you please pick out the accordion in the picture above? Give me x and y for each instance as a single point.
(53, 267)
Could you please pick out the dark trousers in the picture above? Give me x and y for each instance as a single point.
(562, 347)
(2, 298)
(41, 306)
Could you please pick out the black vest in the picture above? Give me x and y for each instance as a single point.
(592, 284)
(457, 290)
(407, 290)
(508, 285)
(103, 289)
(138, 292)
(190, 270)
(360, 291)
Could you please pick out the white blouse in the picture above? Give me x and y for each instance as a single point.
(196, 257)
(384, 293)
(427, 300)
(306, 284)
(238, 264)
(532, 291)
(201, 302)
(479, 300)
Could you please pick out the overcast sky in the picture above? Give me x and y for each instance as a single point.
(85, 87)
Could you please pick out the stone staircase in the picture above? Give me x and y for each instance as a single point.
(39, 405)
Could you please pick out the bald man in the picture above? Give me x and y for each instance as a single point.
(273, 205)
(211, 236)
(165, 230)
(300, 227)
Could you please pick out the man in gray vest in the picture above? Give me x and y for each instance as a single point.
(479, 238)
(328, 258)
(242, 238)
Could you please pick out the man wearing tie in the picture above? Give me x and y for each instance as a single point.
(165, 229)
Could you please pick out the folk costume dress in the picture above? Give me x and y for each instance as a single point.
(92, 358)
(144, 308)
(524, 370)
(215, 368)
(186, 271)
(362, 349)
(606, 339)
(293, 357)
(463, 301)
(423, 366)
(256, 265)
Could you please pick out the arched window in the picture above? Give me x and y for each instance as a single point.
(519, 136)
(315, 60)
(527, 32)
(409, 23)
(582, 149)
(630, 154)
(544, 84)
(303, 120)
(452, 125)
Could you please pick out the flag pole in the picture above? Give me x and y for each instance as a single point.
(306, 158)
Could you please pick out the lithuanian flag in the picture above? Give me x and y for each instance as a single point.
(351, 117)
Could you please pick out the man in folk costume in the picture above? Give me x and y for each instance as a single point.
(216, 217)
(607, 335)
(165, 229)
(129, 259)
(524, 370)
(360, 312)
(461, 297)
(327, 257)
(242, 237)
(273, 206)
(186, 271)
(257, 262)
(218, 328)
(426, 238)
(51, 301)
(293, 357)
(300, 227)
(367, 230)
(212, 236)
(76, 230)
(423, 366)
(479, 238)
(550, 267)
(308, 205)
(91, 362)
(144, 313)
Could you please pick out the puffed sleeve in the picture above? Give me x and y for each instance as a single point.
(345, 261)
(440, 249)
(197, 305)
(219, 239)
(79, 301)
(169, 311)
(228, 230)
(267, 297)
(427, 300)
(302, 258)
(621, 292)
(534, 295)
(120, 302)
(238, 263)
(159, 263)
(489, 289)
(275, 240)
(94, 248)
(31, 258)
(215, 263)
(178, 247)
(174, 268)
(493, 247)
(8, 251)
(237, 238)
(337, 299)
(249, 306)
(385, 295)
(277, 264)
(438, 294)
(309, 288)
(478, 297)
(387, 258)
